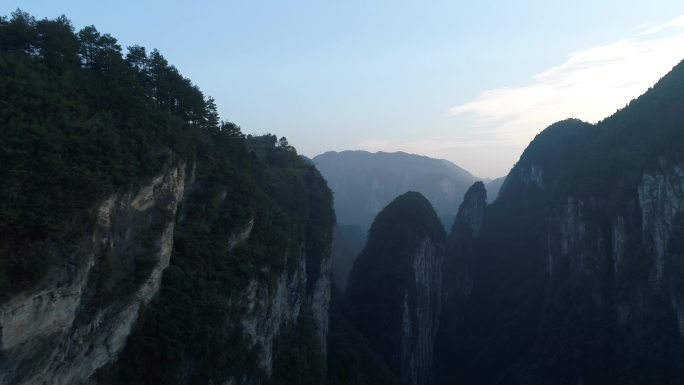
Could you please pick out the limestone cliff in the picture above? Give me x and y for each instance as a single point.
(459, 263)
(144, 239)
(78, 317)
(250, 273)
(274, 302)
(92, 314)
(576, 273)
(395, 288)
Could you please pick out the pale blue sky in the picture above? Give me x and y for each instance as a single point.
(441, 78)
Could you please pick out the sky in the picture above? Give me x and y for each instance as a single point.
(472, 82)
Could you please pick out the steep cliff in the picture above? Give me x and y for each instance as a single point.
(577, 269)
(143, 240)
(394, 291)
(459, 262)
(246, 294)
(78, 317)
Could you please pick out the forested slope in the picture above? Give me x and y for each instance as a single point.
(145, 241)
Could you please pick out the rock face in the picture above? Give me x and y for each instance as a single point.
(116, 267)
(266, 309)
(661, 199)
(460, 249)
(319, 300)
(575, 273)
(395, 287)
(78, 318)
(471, 212)
(420, 317)
(459, 262)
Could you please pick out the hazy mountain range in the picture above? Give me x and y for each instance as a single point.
(363, 182)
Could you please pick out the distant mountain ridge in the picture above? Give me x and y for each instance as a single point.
(364, 182)
(493, 187)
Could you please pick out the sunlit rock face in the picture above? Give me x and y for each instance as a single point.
(78, 318)
(274, 302)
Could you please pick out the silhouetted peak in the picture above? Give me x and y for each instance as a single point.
(410, 209)
(471, 211)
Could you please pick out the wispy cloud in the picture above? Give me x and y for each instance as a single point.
(589, 85)
(495, 127)
(677, 22)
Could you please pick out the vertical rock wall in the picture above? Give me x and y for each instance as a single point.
(77, 319)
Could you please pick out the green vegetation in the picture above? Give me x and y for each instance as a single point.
(608, 158)
(81, 121)
(585, 319)
(384, 272)
(351, 359)
(385, 263)
(188, 333)
(299, 360)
